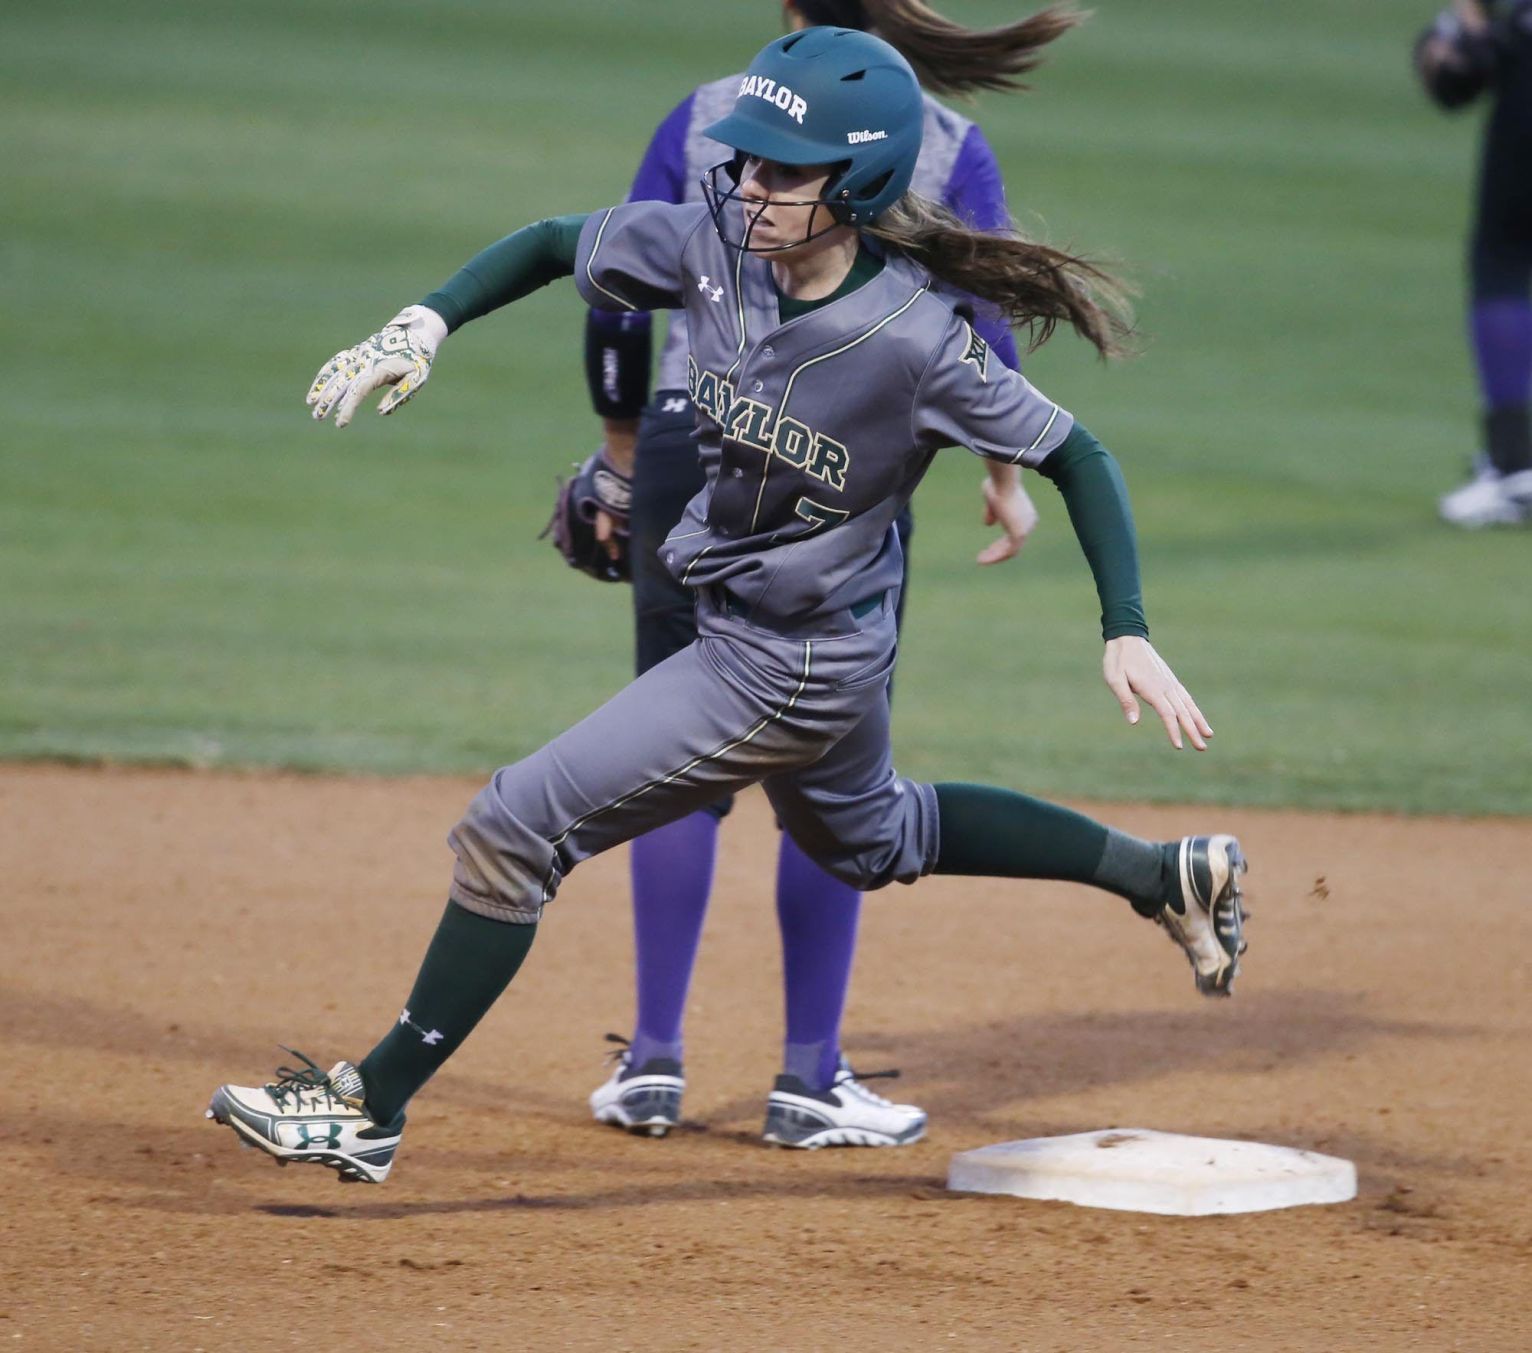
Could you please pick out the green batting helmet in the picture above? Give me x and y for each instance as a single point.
(832, 96)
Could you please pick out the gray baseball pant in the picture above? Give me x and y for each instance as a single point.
(803, 712)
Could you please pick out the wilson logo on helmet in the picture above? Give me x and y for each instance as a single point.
(861, 138)
(763, 88)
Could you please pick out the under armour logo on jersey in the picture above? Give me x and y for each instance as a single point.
(977, 355)
(431, 1038)
(712, 293)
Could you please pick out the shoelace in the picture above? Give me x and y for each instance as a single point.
(618, 1055)
(306, 1080)
(851, 1080)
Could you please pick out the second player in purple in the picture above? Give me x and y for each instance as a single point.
(672, 867)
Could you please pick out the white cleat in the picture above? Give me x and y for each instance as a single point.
(1208, 919)
(646, 1100)
(311, 1118)
(1489, 499)
(847, 1114)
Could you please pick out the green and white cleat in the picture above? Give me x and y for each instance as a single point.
(312, 1118)
(1208, 919)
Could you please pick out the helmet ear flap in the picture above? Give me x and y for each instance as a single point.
(845, 209)
(735, 168)
(837, 198)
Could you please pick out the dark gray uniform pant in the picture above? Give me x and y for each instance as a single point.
(666, 477)
(1500, 255)
(804, 713)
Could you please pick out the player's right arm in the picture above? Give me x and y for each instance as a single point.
(625, 258)
(400, 354)
(618, 346)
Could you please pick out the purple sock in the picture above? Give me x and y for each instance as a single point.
(817, 915)
(1502, 344)
(672, 870)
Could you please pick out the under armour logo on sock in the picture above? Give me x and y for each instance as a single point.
(429, 1037)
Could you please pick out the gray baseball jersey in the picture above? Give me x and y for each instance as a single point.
(942, 139)
(812, 434)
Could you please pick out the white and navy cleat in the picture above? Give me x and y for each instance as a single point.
(1208, 919)
(1489, 499)
(847, 1114)
(644, 1100)
(311, 1118)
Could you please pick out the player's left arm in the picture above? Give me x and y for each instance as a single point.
(997, 414)
(1095, 495)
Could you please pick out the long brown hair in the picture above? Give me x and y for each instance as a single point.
(1033, 286)
(948, 58)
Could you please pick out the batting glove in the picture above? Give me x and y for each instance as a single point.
(399, 355)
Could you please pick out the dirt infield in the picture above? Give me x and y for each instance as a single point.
(162, 931)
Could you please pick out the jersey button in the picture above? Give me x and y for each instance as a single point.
(737, 472)
(758, 386)
(768, 353)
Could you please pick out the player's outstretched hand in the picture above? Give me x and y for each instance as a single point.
(399, 354)
(1008, 506)
(1136, 672)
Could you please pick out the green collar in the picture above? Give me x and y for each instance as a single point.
(867, 266)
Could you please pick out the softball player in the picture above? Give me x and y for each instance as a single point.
(672, 867)
(1473, 46)
(813, 434)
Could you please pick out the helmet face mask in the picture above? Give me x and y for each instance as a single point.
(822, 96)
(720, 188)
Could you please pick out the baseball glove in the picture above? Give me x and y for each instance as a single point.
(596, 487)
(1456, 63)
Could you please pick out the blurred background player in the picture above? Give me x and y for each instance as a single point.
(672, 868)
(1474, 46)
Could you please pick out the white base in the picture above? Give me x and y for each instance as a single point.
(1138, 1170)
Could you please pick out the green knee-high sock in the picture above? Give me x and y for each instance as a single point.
(471, 960)
(999, 833)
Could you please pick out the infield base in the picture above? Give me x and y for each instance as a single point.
(1140, 1170)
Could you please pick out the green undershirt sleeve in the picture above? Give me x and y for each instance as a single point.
(508, 270)
(1091, 482)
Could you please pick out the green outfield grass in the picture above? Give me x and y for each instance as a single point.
(205, 199)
